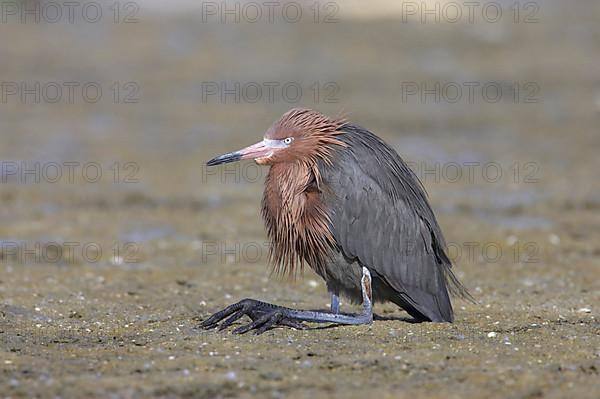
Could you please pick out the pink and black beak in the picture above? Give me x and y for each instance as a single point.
(262, 149)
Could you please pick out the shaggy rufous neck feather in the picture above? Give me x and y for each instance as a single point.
(296, 219)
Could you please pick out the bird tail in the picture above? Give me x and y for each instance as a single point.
(454, 285)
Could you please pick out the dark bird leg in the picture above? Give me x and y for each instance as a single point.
(265, 315)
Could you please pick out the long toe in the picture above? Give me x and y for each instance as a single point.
(212, 321)
(232, 319)
(268, 319)
(270, 323)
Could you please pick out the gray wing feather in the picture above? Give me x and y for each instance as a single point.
(380, 215)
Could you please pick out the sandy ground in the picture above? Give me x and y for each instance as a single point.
(179, 241)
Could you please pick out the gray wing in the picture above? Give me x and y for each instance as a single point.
(380, 215)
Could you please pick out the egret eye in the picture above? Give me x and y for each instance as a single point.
(288, 140)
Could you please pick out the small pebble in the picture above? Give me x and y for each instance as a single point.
(231, 376)
(491, 334)
(528, 282)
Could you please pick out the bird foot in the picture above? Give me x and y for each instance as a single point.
(264, 317)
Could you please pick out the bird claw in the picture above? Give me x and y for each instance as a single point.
(264, 317)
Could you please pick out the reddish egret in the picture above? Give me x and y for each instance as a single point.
(341, 200)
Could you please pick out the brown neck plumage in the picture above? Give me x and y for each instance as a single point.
(295, 217)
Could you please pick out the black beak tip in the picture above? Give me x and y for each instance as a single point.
(232, 157)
